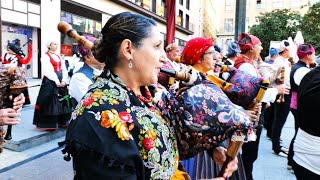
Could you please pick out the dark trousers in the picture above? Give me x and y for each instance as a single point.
(302, 173)
(268, 119)
(290, 155)
(250, 149)
(281, 111)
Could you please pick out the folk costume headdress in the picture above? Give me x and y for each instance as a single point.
(194, 49)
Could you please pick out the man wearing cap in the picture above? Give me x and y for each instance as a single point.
(15, 56)
(281, 110)
(273, 52)
(83, 78)
(306, 54)
(250, 47)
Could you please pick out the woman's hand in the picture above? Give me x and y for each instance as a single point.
(63, 84)
(9, 117)
(219, 155)
(18, 102)
(283, 89)
(252, 114)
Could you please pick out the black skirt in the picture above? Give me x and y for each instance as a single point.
(52, 109)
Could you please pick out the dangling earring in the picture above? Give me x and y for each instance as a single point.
(130, 63)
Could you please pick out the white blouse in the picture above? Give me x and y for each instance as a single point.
(271, 93)
(48, 70)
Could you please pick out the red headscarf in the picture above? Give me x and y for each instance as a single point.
(301, 54)
(194, 49)
(247, 45)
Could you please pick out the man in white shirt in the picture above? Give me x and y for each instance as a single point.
(83, 78)
(281, 110)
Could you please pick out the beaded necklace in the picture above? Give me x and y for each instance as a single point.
(148, 98)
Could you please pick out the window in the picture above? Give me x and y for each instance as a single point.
(247, 25)
(277, 3)
(229, 5)
(154, 6)
(187, 21)
(188, 4)
(261, 4)
(180, 18)
(228, 25)
(257, 20)
(181, 2)
(295, 3)
(163, 4)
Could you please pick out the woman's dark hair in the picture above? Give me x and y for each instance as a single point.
(119, 27)
(304, 47)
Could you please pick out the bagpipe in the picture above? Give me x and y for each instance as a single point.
(241, 88)
(244, 88)
(208, 117)
(18, 52)
(12, 83)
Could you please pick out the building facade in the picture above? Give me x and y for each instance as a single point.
(24, 19)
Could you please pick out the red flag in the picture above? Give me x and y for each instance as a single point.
(171, 21)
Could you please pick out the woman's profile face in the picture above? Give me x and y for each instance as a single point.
(149, 57)
(208, 59)
(257, 50)
(53, 46)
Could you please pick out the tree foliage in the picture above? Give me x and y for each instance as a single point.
(310, 26)
(276, 25)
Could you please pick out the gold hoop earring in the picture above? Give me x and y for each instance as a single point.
(130, 63)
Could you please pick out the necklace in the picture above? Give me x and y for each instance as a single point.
(248, 60)
(148, 98)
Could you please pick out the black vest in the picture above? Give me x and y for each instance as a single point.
(294, 86)
(309, 102)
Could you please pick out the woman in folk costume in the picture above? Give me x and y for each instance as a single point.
(306, 54)
(52, 109)
(250, 47)
(199, 52)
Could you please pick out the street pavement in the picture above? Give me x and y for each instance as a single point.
(45, 162)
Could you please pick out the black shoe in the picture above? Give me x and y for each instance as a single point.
(283, 152)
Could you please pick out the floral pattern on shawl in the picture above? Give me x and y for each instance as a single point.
(202, 117)
(109, 104)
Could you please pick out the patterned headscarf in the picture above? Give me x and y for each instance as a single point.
(194, 49)
(249, 43)
(303, 53)
(83, 50)
(233, 48)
